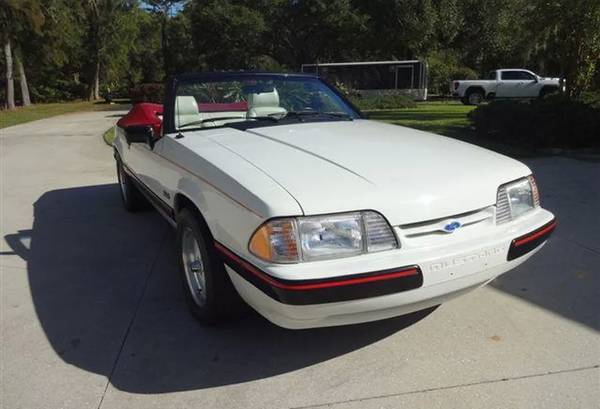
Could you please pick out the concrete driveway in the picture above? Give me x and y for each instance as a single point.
(92, 314)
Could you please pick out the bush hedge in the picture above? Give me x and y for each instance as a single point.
(556, 121)
(395, 101)
(444, 68)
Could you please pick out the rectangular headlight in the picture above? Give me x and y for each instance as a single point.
(516, 198)
(330, 236)
(290, 240)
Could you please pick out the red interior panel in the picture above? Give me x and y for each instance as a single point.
(223, 107)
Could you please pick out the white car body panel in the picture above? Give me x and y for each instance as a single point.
(449, 270)
(367, 309)
(239, 179)
(372, 165)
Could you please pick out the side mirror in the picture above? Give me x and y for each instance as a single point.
(140, 134)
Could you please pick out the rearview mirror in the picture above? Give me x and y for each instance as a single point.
(140, 134)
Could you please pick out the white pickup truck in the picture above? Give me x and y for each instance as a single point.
(506, 83)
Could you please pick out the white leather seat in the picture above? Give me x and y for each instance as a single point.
(186, 110)
(264, 104)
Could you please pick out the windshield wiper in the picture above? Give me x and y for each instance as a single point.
(301, 114)
(202, 121)
(268, 118)
(225, 118)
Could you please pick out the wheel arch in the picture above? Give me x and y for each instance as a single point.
(548, 89)
(182, 201)
(474, 88)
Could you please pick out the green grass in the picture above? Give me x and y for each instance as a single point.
(109, 136)
(445, 118)
(40, 111)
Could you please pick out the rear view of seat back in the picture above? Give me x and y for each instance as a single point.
(186, 110)
(264, 104)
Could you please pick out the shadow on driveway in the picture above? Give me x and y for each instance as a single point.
(107, 294)
(93, 267)
(564, 277)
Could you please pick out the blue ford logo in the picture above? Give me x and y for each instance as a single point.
(453, 225)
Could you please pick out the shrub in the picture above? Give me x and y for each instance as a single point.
(147, 93)
(395, 101)
(591, 98)
(58, 90)
(443, 68)
(553, 122)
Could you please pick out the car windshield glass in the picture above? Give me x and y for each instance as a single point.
(261, 99)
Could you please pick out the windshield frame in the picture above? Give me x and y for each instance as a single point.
(174, 82)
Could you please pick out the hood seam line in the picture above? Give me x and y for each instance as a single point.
(312, 154)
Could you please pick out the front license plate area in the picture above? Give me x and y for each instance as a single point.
(460, 265)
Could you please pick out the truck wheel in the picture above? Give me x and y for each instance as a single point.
(209, 293)
(547, 91)
(475, 97)
(133, 200)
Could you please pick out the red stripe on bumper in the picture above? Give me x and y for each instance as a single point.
(411, 271)
(536, 234)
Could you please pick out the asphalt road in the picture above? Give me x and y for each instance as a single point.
(92, 314)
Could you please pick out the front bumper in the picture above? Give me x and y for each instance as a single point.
(426, 277)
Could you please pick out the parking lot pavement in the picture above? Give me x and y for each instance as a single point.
(93, 317)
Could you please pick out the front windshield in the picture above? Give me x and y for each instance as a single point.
(260, 100)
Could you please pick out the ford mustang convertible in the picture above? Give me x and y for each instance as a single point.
(284, 196)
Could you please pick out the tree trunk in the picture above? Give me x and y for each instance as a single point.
(23, 81)
(94, 93)
(164, 45)
(10, 85)
(97, 82)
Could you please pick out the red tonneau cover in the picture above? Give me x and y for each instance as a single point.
(143, 114)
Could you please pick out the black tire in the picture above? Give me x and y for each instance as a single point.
(474, 97)
(217, 300)
(133, 199)
(547, 91)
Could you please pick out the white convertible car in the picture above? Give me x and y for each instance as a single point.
(283, 194)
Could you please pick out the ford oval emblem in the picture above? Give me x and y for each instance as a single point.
(452, 226)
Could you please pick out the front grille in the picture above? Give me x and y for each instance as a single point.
(436, 226)
(431, 233)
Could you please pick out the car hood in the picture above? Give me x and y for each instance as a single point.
(407, 175)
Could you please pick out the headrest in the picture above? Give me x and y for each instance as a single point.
(186, 105)
(263, 99)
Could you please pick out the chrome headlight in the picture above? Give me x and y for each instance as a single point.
(295, 239)
(516, 198)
